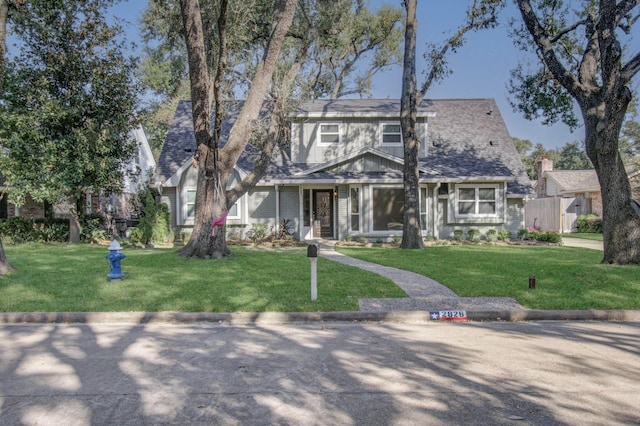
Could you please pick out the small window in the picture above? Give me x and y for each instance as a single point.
(234, 212)
(191, 203)
(355, 209)
(476, 200)
(329, 133)
(391, 133)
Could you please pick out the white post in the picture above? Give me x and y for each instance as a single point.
(314, 277)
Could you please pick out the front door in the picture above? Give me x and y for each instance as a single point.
(323, 213)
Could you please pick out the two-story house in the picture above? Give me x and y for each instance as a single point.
(343, 173)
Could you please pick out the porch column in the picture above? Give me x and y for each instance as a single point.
(277, 209)
(436, 206)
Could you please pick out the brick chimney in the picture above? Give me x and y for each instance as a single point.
(543, 165)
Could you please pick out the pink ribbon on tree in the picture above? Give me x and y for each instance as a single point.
(219, 221)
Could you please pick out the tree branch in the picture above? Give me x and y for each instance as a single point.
(544, 44)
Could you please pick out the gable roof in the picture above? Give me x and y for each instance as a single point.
(467, 141)
(572, 181)
(569, 181)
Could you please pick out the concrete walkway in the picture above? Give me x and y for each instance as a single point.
(425, 294)
(582, 243)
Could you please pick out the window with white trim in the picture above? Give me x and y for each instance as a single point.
(234, 211)
(390, 133)
(423, 207)
(354, 194)
(191, 203)
(329, 133)
(476, 200)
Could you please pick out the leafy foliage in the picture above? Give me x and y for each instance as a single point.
(590, 223)
(68, 101)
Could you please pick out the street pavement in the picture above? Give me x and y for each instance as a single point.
(320, 373)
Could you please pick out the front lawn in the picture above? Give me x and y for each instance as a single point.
(566, 277)
(72, 278)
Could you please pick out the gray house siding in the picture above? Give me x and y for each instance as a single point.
(262, 206)
(356, 134)
(290, 207)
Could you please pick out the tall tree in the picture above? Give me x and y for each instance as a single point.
(480, 15)
(216, 164)
(67, 105)
(573, 157)
(5, 266)
(583, 60)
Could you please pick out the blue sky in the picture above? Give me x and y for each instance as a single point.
(480, 68)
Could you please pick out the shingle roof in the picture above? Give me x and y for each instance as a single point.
(467, 139)
(575, 180)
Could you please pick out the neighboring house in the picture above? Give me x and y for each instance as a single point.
(138, 172)
(343, 174)
(563, 195)
(123, 208)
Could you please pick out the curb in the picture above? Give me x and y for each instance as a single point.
(304, 317)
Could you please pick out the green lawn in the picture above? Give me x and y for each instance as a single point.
(72, 278)
(566, 277)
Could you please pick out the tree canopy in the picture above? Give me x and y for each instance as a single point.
(68, 101)
(583, 62)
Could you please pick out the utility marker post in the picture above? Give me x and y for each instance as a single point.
(312, 254)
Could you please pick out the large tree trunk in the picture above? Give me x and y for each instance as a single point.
(411, 229)
(212, 199)
(621, 223)
(5, 266)
(74, 222)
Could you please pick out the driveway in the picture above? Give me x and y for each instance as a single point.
(581, 242)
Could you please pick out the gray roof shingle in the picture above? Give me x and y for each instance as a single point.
(467, 139)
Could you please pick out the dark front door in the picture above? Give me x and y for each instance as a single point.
(323, 214)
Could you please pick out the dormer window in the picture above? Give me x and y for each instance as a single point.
(390, 133)
(329, 133)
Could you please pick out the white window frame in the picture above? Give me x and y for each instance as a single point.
(477, 200)
(237, 214)
(320, 133)
(360, 224)
(424, 207)
(186, 204)
(382, 125)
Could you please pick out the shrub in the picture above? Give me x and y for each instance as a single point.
(458, 235)
(18, 230)
(549, 237)
(504, 234)
(154, 225)
(590, 223)
(284, 232)
(492, 235)
(473, 235)
(258, 232)
(524, 234)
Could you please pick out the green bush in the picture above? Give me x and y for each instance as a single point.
(492, 235)
(154, 225)
(473, 235)
(590, 223)
(458, 235)
(548, 237)
(504, 234)
(18, 230)
(258, 232)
